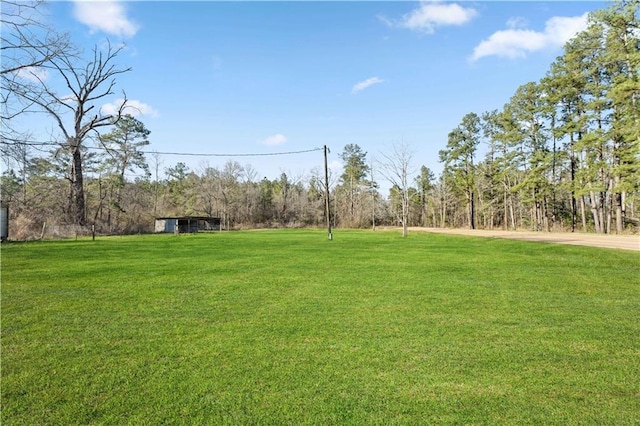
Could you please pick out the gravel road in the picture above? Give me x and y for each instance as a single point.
(625, 242)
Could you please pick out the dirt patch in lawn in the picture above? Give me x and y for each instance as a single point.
(625, 242)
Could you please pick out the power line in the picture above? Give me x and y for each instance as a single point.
(190, 154)
(232, 155)
(25, 143)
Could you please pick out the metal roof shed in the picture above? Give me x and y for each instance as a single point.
(4, 221)
(187, 224)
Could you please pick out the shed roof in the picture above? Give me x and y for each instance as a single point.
(188, 218)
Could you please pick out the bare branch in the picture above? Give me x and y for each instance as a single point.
(397, 167)
(25, 41)
(74, 113)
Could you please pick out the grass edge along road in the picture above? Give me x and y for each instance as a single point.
(614, 241)
(283, 326)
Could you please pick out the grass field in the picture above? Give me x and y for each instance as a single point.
(285, 327)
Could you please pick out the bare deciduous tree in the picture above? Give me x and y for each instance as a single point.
(87, 82)
(397, 168)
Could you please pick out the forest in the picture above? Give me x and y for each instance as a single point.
(563, 154)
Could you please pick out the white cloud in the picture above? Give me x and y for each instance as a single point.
(510, 44)
(277, 139)
(431, 15)
(134, 108)
(563, 29)
(108, 16)
(518, 42)
(32, 74)
(366, 83)
(517, 22)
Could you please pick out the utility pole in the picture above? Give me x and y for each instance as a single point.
(373, 199)
(326, 194)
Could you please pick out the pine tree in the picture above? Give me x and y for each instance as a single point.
(353, 182)
(621, 57)
(459, 158)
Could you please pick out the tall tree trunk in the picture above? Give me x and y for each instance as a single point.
(545, 214)
(77, 189)
(472, 212)
(506, 214)
(619, 208)
(554, 210)
(535, 211)
(434, 223)
(110, 204)
(583, 214)
(595, 213)
(602, 212)
(512, 213)
(608, 204)
(574, 207)
(405, 213)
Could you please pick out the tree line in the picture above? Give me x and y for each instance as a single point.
(562, 154)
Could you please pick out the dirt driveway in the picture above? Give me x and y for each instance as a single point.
(625, 242)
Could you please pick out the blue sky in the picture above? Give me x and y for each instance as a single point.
(266, 77)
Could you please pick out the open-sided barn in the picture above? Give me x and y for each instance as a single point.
(187, 224)
(4, 221)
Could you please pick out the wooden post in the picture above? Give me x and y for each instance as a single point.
(326, 195)
(373, 200)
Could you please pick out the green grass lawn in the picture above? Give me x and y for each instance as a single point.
(285, 327)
